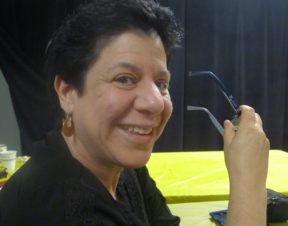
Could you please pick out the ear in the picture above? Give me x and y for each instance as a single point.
(67, 94)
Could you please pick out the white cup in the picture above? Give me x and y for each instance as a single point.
(3, 147)
(8, 159)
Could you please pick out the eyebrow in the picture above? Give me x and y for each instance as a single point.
(137, 69)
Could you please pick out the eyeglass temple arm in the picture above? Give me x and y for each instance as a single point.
(222, 88)
(215, 122)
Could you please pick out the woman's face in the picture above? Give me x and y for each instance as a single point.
(126, 103)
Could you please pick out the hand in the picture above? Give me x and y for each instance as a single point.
(246, 149)
(246, 155)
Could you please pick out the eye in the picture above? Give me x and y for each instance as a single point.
(162, 85)
(125, 80)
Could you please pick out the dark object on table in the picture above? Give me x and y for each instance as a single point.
(277, 209)
(277, 206)
(219, 216)
(3, 173)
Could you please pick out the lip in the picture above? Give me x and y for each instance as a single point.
(136, 137)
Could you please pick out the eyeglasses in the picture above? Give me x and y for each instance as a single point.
(211, 116)
(231, 100)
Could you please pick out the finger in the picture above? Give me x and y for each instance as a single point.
(247, 116)
(258, 119)
(229, 133)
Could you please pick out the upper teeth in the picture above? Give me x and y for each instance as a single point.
(140, 130)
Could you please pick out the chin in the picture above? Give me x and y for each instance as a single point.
(135, 160)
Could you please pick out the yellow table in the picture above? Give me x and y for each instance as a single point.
(197, 213)
(201, 176)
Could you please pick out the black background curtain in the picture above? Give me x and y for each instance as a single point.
(245, 42)
(25, 28)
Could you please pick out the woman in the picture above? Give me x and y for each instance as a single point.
(109, 67)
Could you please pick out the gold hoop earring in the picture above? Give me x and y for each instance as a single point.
(68, 126)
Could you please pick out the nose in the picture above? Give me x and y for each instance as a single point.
(149, 99)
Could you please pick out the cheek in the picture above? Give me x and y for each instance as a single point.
(113, 105)
(166, 114)
(168, 107)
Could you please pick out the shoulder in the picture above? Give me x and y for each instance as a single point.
(52, 188)
(49, 165)
(37, 189)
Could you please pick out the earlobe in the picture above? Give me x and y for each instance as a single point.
(65, 94)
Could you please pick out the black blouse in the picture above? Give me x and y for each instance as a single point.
(54, 189)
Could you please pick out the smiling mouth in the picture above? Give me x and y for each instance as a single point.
(139, 130)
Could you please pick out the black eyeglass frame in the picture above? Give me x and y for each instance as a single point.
(229, 97)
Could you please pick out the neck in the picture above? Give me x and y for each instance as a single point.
(106, 172)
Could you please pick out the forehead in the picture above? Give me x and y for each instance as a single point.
(133, 48)
(134, 52)
(134, 43)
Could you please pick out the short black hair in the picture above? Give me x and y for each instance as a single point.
(76, 44)
(79, 41)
